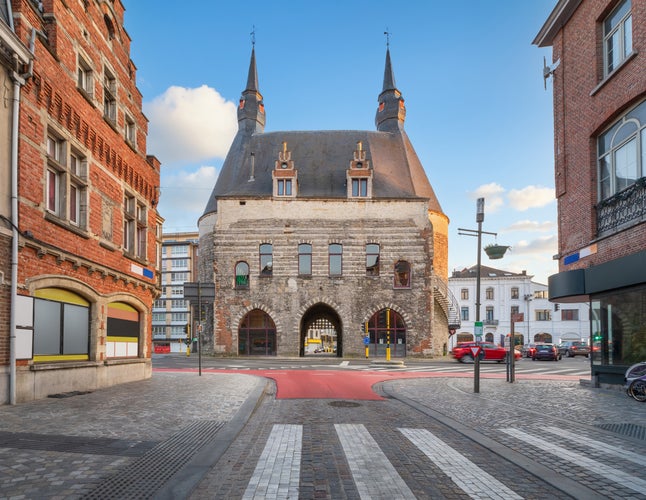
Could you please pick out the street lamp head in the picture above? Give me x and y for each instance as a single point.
(480, 210)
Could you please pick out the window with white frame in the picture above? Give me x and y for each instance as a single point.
(543, 315)
(489, 293)
(360, 188)
(617, 37)
(284, 187)
(109, 96)
(622, 153)
(464, 294)
(134, 226)
(569, 315)
(85, 80)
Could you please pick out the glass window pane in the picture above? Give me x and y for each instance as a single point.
(626, 165)
(76, 329)
(47, 327)
(628, 36)
(355, 187)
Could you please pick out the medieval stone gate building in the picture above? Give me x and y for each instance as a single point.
(324, 237)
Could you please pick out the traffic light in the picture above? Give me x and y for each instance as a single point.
(557, 307)
(597, 337)
(187, 329)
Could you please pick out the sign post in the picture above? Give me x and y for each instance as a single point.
(511, 358)
(475, 353)
(195, 292)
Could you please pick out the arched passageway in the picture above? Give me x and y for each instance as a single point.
(387, 327)
(321, 332)
(257, 334)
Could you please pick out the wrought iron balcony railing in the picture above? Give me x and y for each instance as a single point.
(623, 209)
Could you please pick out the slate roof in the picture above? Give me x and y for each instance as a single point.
(485, 272)
(321, 159)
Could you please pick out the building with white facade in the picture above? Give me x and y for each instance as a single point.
(171, 311)
(503, 294)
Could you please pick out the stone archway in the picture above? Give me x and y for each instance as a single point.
(321, 331)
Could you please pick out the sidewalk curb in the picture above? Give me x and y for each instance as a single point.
(184, 481)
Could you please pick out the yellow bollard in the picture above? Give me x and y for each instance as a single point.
(188, 350)
(367, 349)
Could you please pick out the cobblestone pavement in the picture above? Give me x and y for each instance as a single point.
(430, 438)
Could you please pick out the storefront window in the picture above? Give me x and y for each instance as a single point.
(619, 327)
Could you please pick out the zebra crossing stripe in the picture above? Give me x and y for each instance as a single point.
(364, 458)
(474, 481)
(599, 468)
(601, 446)
(278, 471)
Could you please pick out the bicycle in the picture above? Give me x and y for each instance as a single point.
(635, 378)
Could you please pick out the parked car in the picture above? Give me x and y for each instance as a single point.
(491, 352)
(528, 350)
(571, 348)
(546, 351)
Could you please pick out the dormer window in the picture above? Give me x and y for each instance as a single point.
(285, 176)
(359, 175)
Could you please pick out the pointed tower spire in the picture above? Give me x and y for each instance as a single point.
(251, 110)
(391, 112)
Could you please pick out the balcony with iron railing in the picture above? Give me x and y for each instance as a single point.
(622, 210)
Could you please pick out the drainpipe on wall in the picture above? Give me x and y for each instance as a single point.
(18, 82)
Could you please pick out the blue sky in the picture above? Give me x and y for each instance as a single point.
(477, 112)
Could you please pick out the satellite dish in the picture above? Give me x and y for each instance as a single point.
(549, 70)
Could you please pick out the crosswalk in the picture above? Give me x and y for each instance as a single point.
(277, 472)
(444, 368)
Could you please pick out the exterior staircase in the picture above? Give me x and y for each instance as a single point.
(447, 302)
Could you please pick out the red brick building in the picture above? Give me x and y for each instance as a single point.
(600, 168)
(87, 228)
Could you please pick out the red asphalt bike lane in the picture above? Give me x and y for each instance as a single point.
(336, 384)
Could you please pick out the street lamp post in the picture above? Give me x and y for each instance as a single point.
(477, 325)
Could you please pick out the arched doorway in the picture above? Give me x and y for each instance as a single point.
(257, 334)
(384, 326)
(321, 332)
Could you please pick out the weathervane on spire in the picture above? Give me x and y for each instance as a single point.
(387, 33)
(253, 35)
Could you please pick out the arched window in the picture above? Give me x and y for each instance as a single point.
(122, 331)
(620, 161)
(305, 259)
(402, 274)
(61, 325)
(266, 259)
(257, 334)
(242, 275)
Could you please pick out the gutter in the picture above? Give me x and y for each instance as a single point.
(18, 81)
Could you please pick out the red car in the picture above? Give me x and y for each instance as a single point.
(492, 352)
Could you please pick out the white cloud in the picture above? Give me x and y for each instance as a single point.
(184, 196)
(492, 193)
(530, 197)
(530, 225)
(190, 125)
(546, 245)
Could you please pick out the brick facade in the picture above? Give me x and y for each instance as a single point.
(600, 172)
(83, 139)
